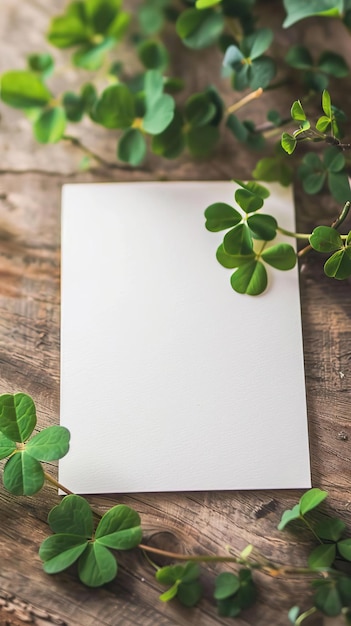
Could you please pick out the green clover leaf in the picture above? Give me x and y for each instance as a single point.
(298, 10)
(250, 66)
(183, 581)
(94, 26)
(199, 29)
(115, 108)
(23, 473)
(234, 592)
(72, 521)
(24, 90)
(308, 501)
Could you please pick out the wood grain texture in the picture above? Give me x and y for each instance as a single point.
(31, 177)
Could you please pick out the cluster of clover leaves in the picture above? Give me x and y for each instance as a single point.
(82, 536)
(145, 110)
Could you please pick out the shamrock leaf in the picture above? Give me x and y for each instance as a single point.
(23, 473)
(72, 521)
(183, 582)
(24, 90)
(199, 29)
(237, 250)
(94, 27)
(159, 106)
(234, 592)
(251, 68)
(308, 501)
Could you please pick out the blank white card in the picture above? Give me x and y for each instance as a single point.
(169, 379)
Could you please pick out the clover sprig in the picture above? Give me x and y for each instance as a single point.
(246, 226)
(23, 472)
(76, 540)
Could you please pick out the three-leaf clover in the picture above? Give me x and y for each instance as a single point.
(327, 239)
(196, 128)
(94, 27)
(23, 473)
(147, 112)
(23, 89)
(246, 225)
(314, 172)
(250, 66)
(75, 539)
(234, 592)
(316, 74)
(183, 582)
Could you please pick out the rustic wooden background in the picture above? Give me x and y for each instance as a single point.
(31, 177)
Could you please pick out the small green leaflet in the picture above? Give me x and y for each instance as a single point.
(299, 9)
(183, 582)
(23, 90)
(308, 501)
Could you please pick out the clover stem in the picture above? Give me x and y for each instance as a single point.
(304, 615)
(54, 482)
(289, 233)
(343, 215)
(311, 529)
(100, 160)
(273, 570)
(250, 96)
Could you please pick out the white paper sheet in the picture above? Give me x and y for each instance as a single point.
(169, 379)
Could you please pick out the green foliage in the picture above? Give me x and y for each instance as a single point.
(316, 73)
(309, 501)
(153, 55)
(74, 539)
(234, 592)
(251, 68)
(23, 473)
(42, 64)
(76, 105)
(247, 225)
(245, 132)
(327, 239)
(332, 595)
(315, 172)
(50, 125)
(93, 26)
(274, 169)
(183, 583)
(24, 90)
(299, 9)
(199, 29)
(330, 121)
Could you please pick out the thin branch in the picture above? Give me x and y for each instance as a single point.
(103, 162)
(245, 100)
(54, 482)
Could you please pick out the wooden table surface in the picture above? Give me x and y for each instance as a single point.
(31, 177)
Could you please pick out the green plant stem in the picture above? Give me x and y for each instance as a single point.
(289, 233)
(311, 529)
(100, 160)
(343, 215)
(273, 570)
(304, 615)
(54, 482)
(245, 100)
